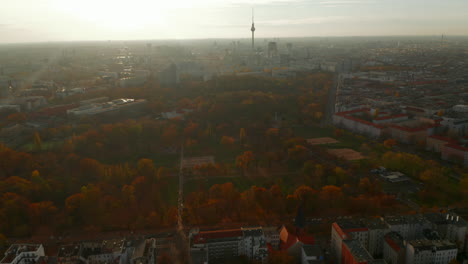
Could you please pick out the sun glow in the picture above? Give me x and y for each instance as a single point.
(123, 15)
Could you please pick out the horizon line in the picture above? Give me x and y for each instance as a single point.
(230, 38)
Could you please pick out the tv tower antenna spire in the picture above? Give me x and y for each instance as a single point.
(253, 30)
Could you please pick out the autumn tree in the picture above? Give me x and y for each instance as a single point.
(390, 143)
(146, 168)
(91, 169)
(244, 160)
(41, 213)
(297, 154)
(464, 187)
(170, 135)
(37, 141)
(318, 115)
(331, 195)
(227, 141)
(3, 240)
(191, 129)
(17, 118)
(306, 196)
(242, 135)
(14, 215)
(338, 132)
(272, 132)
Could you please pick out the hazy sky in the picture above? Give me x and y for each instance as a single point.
(56, 20)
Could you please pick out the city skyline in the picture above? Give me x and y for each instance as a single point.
(53, 20)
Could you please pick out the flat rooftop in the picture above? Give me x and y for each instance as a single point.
(67, 251)
(207, 236)
(439, 245)
(16, 249)
(359, 253)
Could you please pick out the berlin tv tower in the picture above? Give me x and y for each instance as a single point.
(253, 31)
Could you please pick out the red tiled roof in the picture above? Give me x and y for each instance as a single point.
(307, 239)
(392, 244)
(347, 116)
(429, 82)
(414, 109)
(287, 239)
(458, 147)
(441, 138)
(412, 129)
(362, 121)
(338, 229)
(390, 117)
(270, 248)
(352, 230)
(205, 236)
(354, 111)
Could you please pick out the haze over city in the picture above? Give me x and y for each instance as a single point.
(234, 132)
(69, 20)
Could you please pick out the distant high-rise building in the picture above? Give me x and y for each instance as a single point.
(169, 76)
(289, 47)
(253, 31)
(149, 48)
(272, 49)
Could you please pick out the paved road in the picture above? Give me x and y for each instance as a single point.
(330, 107)
(181, 250)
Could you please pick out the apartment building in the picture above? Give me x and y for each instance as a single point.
(23, 254)
(226, 244)
(430, 251)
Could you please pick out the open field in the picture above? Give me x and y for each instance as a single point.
(347, 154)
(322, 141)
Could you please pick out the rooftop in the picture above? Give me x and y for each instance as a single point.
(253, 231)
(113, 245)
(376, 223)
(207, 236)
(16, 249)
(143, 248)
(439, 245)
(442, 138)
(404, 219)
(391, 117)
(457, 147)
(359, 253)
(444, 219)
(352, 225)
(395, 241)
(67, 251)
